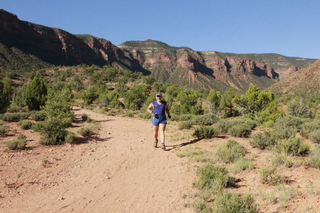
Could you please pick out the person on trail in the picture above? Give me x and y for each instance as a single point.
(159, 108)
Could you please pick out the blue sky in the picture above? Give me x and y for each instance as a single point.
(286, 27)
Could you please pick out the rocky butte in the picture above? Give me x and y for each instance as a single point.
(26, 46)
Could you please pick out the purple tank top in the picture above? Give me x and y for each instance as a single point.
(159, 109)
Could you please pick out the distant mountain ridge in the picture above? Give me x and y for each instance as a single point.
(25, 46)
(303, 83)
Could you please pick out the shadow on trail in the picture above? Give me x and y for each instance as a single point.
(80, 140)
(170, 147)
(189, 142)
(100, 121)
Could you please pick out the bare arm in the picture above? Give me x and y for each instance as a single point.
(167, 111)
(150, 108)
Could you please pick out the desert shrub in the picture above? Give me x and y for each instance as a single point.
(113, 112)
(85, 131)
(298, 108)
(234, 203)
(183, 117)
(52, 130)
(70, 137)
(144, 115)
(248, 122)
(22, 136)
(271, 177)
(25, 124)
(308, 127)
(288, 121)
(292, 146)
(226, 124)
(15, 117)
(281, 159)
(315, 136)
(242, 164)
(3, 130)
(84, 117)
(240, 131)
(314, 157)
(185, 124)
(262, 140)
(285, 133)
(39, 115)
(11, 117)
(205, 120)
(195, 154)
(206, 132)
(14, 108)
(17, 144)
(129, 114)
(230, 151)
(213, 177)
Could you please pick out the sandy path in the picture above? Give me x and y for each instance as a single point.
(119, 172)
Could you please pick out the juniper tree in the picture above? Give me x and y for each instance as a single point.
(36, 93)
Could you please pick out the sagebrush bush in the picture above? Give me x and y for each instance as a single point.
(240, 131)
(145, 115)
(271, 177)
(262, 140)
(230, 151)
(22, 136)
(234, 203)
(226, 124)
(213, 177)
(17, 144)
(242, 164)
(14, 108)
(183, 117)
(206, 132)
(205, 120)
(85, 131)
(185, 124)
(314, 157)
(195, 154)
(15, 117)
(308, 127)
(84, 117)
(39, 115)
(285, 133)
(3, 130)
(315, 136)
(288, 121)
(130, 114)
(25, 124)
(281, 159)
(292, 146)
(70, 137)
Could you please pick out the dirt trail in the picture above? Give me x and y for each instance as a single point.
(118, 171)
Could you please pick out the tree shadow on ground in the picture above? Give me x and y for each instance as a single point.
(189, 142)
(82, 140)
(170, 147)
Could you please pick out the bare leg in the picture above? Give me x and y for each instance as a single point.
(156, 129)
(162, 128)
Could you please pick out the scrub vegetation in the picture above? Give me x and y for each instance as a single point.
(43, 103)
